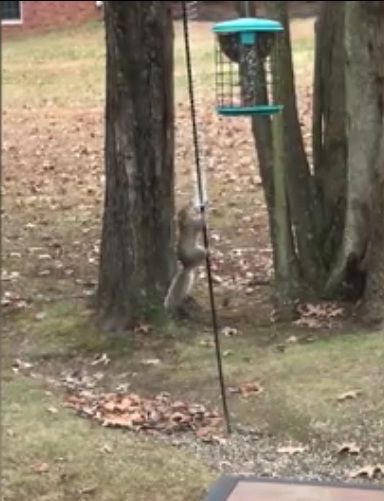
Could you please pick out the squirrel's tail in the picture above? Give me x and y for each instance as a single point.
(179, 289)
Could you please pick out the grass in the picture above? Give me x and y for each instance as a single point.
(65, 70)
(69, 70)
(53, 87)
(85, 462)
(302, 383)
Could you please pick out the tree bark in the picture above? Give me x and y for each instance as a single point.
(298, 175)
(329, 129)
(363, 42)
(269, 141)
(137, 256)
(373, 300)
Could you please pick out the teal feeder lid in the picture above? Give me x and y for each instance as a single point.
(248, 24)
(244, 79)
(236, 111)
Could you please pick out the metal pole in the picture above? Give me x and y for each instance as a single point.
(202, 210)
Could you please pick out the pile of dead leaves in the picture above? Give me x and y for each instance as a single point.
(159, 415)
(319, 316)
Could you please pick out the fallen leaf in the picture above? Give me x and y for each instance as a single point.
(109, 406)
(207, 344)
(337, 312)
(106, 449)
(179, 417)
(118, 421)
(291, 450)
(349, 448)
(142, 328)
(40, 468)
(151, 361)
(209, 435)
(101, 359)
(21, 365)
(292, 340)
(123, 387)
(229, 331)
(52, 410)
(40, 316)
(250, 389)
(349, 395)
(124, 405)
(179, 406)
(88, 490)
(247, 389)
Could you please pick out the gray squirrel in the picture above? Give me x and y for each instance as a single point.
(190, 254)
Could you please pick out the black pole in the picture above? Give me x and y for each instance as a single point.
(202, 210)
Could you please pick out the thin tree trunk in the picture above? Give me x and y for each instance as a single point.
(137, 257)
(285, 276)
(298, 177)
(269, 146)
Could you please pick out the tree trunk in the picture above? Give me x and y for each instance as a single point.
(137, 257)
(374, 262)
(329, 129)
(269, 141)
(298, 175)
(373, 304)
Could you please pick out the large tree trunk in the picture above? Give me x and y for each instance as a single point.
(368, 19)
(349, 149)
(137, 258)
(329, 129)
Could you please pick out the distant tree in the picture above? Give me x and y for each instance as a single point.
(137, 258)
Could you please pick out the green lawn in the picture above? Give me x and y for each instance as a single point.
(68, 70)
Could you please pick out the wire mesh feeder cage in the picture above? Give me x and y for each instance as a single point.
(243, 52)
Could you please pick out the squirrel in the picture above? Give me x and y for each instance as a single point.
(190, 254)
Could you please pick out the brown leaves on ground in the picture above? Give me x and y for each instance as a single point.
(11, 301)
(247, 389)
(319, 316)
(369, 471)
(158, 415)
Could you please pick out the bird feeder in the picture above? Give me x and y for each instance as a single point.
(243, 51)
